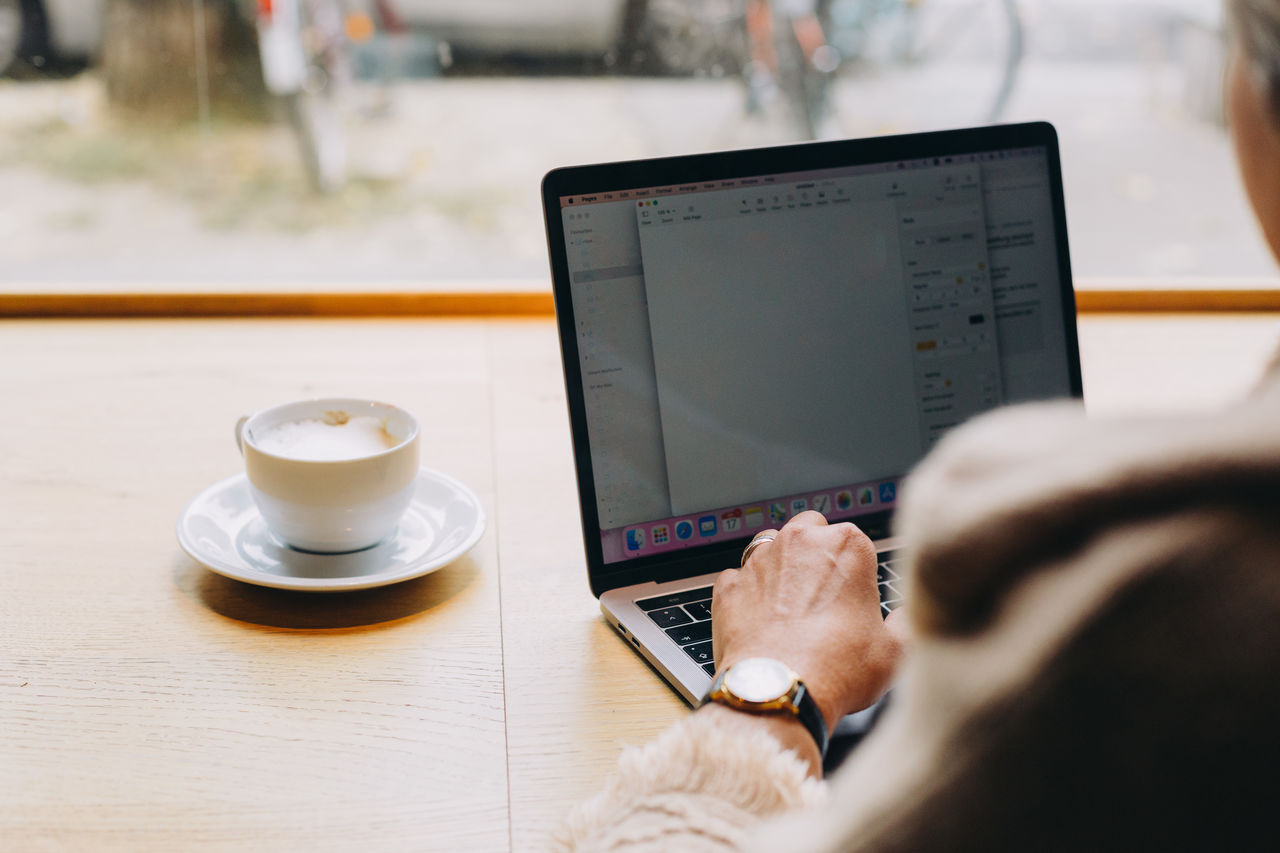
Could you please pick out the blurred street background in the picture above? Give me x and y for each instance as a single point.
(449, 123)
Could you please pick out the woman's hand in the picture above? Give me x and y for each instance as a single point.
(809, 599)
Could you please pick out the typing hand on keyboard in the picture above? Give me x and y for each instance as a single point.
(810, 599)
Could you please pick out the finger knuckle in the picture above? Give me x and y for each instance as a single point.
(853, 537)
(793, 533)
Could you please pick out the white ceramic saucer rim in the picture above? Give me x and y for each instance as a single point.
(248, 574)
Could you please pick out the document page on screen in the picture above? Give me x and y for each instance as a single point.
(782, 330)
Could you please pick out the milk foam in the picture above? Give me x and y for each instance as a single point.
(334, 437)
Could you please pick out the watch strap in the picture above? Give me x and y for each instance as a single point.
(811, 717)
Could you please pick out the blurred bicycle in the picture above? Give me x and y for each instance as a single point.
(789, 54)
(914, 33)
(794, 49)
(305, 47)
(935, 30)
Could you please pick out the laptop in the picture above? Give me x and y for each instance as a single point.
(750, 334)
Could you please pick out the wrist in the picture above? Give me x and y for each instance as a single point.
(827, 693)
(823, 687)
(767, 686)
(837, 689)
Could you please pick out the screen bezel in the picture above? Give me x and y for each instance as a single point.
(639, 174)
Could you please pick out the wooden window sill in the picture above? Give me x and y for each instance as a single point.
(1093, 296)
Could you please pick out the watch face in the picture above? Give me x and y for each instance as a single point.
(758, 680)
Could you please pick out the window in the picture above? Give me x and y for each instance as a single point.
(127, 166)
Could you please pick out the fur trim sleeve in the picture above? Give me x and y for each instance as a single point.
(700, 786)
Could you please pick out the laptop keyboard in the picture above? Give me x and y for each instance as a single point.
(686, 615)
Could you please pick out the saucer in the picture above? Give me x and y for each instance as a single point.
(222, 530)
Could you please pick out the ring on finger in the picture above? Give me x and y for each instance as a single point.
(756, 541)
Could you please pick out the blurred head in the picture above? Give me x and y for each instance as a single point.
(1253, 106)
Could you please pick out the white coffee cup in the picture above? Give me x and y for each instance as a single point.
(332, 475)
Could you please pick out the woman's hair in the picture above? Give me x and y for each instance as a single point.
(1255, 25)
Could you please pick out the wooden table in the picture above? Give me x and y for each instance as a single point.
(146, 703)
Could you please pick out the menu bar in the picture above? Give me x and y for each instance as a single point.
(792, 177)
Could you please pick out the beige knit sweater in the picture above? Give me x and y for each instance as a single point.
(1096, 664)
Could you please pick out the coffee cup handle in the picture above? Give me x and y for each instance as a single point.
(240, 433)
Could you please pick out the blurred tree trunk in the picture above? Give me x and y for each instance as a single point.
(152, 65)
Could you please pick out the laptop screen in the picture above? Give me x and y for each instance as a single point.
(755, 345)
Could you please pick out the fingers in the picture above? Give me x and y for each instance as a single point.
(802, 525)
(764, 537)
(724, 580)
(810, 521)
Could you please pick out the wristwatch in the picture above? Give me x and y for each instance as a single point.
(767, 686)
